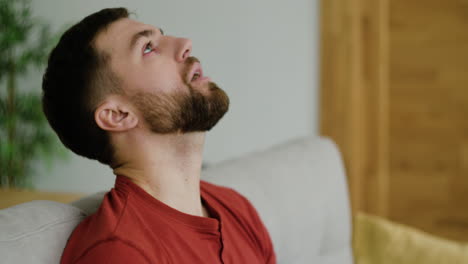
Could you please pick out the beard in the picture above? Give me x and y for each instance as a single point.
(182, 112)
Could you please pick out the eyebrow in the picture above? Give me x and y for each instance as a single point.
(143, 33)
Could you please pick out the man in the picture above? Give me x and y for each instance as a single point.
(123, 93)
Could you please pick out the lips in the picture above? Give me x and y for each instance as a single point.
(195, 73)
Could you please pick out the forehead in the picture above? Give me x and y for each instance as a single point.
(117, 35)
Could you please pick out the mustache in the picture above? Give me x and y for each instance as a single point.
(191, 60)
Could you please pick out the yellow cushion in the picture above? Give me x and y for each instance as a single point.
(380, 241)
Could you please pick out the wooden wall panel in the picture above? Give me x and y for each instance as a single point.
(354, 95)
(394, 96)
(429, 98)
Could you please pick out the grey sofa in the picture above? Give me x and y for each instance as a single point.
(298, 187)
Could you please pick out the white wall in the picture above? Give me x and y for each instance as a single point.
(263, 53)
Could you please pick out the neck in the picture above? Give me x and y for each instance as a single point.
(168, 167)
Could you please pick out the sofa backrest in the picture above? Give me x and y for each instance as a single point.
(36, 232)
(298, 188)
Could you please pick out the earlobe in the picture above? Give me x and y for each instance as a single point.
(112, 117)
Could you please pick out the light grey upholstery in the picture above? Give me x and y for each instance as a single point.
(36, 232)
(298, 188)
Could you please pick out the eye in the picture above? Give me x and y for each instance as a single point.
(148, 48)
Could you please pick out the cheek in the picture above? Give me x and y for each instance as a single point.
(162, 80)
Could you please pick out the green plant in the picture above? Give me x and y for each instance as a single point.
(25, 135)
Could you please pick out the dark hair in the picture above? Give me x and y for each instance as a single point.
(76, 79)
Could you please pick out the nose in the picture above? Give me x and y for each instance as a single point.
(185, 50)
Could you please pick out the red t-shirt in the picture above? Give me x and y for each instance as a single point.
(131, 226)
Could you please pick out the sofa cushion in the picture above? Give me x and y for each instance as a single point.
(37, 231)
(378, 240)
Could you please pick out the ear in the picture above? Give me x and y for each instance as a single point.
(113, 115)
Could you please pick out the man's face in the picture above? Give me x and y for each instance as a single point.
(161, 79)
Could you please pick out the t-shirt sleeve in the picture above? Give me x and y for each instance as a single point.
(267, 244)
(112, 252)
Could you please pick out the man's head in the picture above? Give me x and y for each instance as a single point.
(111, 74)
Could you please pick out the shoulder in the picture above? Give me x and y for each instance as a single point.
(96, 228)
(113, 250)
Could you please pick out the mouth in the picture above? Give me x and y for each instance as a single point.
(196, 73)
